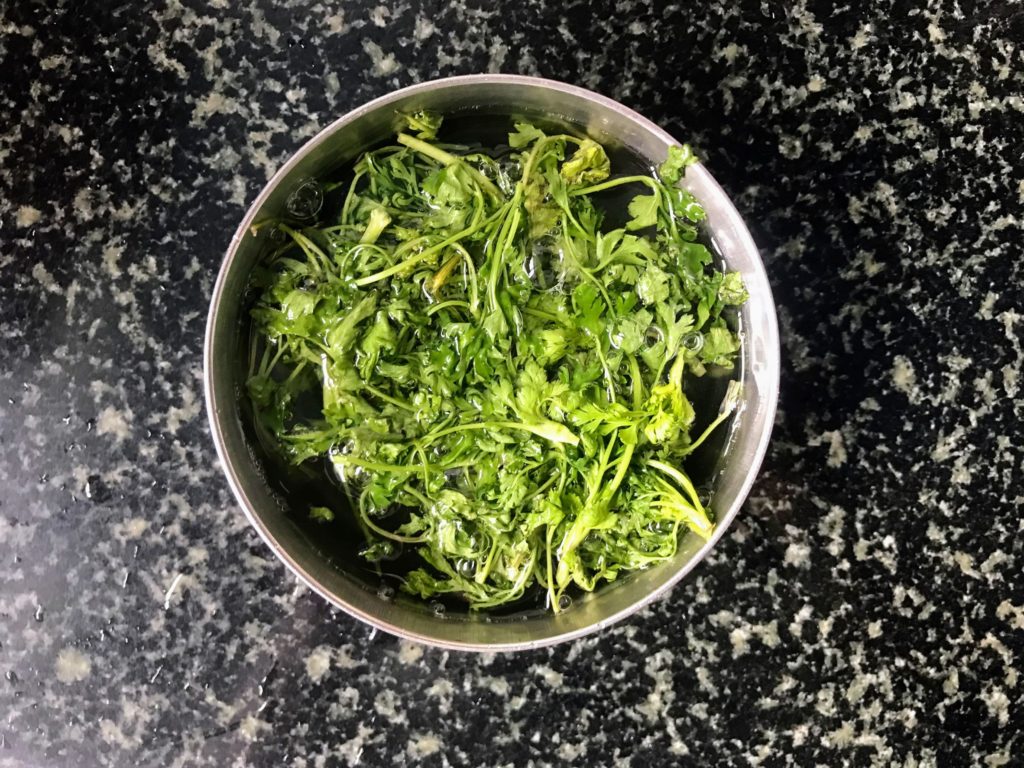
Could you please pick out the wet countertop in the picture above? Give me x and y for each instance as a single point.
(867, 608)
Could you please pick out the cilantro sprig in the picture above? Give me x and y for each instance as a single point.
(490, 360)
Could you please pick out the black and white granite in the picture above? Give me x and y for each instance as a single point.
(868, 607)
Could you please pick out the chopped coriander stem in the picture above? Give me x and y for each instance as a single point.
(447, 158)
(481, 575)
(295, 374)
(389, 534)
(311, 249)
(435, 308)
(419, 257)
(350, 197)
(379, 220)
(620, 471)
(387, 398)
(615, 183)
(439, 278)
(497, 267)
(260, 225)
(553, 431)
(426, 464)
(680, 478)
(728, 405)
(469, 278)
(552, 597)
(540, 489)
(609, 379)
(432, 151)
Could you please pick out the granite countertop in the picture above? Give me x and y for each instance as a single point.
(867, 608)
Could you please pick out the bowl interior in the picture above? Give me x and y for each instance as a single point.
(326, 558)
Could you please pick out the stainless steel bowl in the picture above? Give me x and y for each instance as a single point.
(225, 349)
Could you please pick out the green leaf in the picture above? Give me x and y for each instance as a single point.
(671, 171)
(424, 124)
(299, 303)
(523, 135)
(630, 331)
(653, 285)
(342, 335)
(588, 165)
(720, 346)
(671, 413)
(589, 307)
(732, 292)
(644, 210)
(321, 514)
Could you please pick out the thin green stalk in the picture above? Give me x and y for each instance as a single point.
(612, 183)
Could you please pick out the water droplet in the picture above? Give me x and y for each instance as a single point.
(11, 676)
(564, 601)
(704, 496)
(96, 489)
(43, 478)
(90, 425)
(466, 567)
(693, 341)
(38, 615)
(67, 419)
(438, 608)
(386, 592)
(306, 199)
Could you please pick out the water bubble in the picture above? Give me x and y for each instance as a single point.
(386, 592)
(38, 615)
(653, 335)
(306, 199)
(11, 676)
(466, 567)
(704, 496)
(90, 425)
(438, 608)
(693, 341)
(564, 601)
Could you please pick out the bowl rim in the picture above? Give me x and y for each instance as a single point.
(769, 378)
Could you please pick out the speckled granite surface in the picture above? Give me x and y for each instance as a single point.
(867, 609)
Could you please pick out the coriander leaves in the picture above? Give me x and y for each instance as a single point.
(466, 343)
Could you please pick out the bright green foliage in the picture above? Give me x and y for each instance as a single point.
(484, 358)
